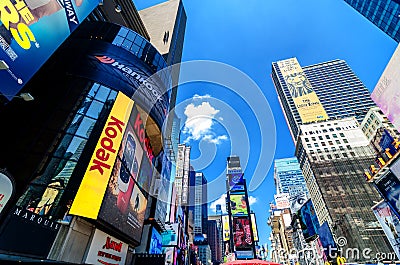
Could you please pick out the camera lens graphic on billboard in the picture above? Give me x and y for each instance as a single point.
(30, 31)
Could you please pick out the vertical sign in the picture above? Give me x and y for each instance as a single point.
(304, 96)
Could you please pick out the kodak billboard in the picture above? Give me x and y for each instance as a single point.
(90, 194)
(304, 97)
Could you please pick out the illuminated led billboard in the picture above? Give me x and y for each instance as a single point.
(308, 220)
(254, 227)
(303, 95)
(30, 31)
(236, 182)
(238, 204)
(242, 233)
(225, 227)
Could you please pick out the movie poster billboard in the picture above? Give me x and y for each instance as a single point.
(390, 224)
(242, 233)
(308, 220)
(387, 93)
(297, 200)
(155, 242)
(238, 204)
(389, 187)
(254, 227)
(105, 249)
(304, 97)
(225, 227)
(282, 201)
(30, 31)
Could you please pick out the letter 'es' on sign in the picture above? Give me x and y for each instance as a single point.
(89, 197)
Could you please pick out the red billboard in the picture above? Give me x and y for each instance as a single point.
(242, 233)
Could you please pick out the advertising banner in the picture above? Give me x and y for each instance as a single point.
(306, 100)
(282, 201)
(169, 255)
(244, 254)
(254, 227)
(236, 182)
(116, 67)
(88, 199)
(30, 31)
(297, 201)
(170, 237)
(390, 224)
(326, 238)
(386, 93)
(6, 190)
(389, 187)
(308, 220)
(238, 204)
(225, 227)
(106, 249)
(155, 242)
(242, 233)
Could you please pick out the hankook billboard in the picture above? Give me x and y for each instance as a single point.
(30, 31)
(303, 95)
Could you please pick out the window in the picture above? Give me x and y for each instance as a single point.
(328, 137)
(330, 142)
(334, 135)
(345, 141)
(338, 142)
(341, 134)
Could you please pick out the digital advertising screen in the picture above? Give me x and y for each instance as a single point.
(242, 233)
(170, 237)
(236, 182)
(297, 201)
(326, 237)
(87, 201)
(308, 220)
(225, 227)
(390, 224)
(155, 242)
(238, 204)
(282, 201)
(389, 187)
(29, 34)
(303, 95)
(254, 227)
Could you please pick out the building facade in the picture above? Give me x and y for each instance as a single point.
(333, 156)
(339, 91)
(384, 14)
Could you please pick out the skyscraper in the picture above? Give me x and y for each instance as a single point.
(332, 151)
(288, 177)
(200, 203)
(340, 92)
(384, 14)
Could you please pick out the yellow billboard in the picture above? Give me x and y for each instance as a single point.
(304, 97)
(225, 227)
(90, 194)
(254, 227)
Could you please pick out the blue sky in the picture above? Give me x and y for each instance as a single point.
(249, 35)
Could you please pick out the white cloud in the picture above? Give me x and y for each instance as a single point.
(252, 200)
(199, 120)
(221, 201)
(199, 97)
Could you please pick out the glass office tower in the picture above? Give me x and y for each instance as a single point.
(340, 92)
(383, 13)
